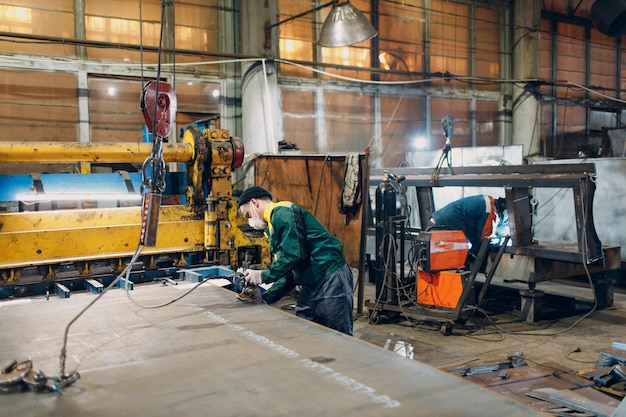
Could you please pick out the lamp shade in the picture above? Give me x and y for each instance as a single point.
(345, 25)
(609, 17)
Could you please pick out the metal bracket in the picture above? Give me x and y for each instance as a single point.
(61, 290)
(94, 286)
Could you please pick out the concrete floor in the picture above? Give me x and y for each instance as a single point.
(553, 343)
(492, 339)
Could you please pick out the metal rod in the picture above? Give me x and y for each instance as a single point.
(295, 16)
(51, 152)
(268, 28)
(365, 213)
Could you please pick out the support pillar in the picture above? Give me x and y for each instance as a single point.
(260, 94)
(526, 108)
(532, 302)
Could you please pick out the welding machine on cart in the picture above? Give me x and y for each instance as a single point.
(423, 274)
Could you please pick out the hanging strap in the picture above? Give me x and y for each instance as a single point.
(351, 192)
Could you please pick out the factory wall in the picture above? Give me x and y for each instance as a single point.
(530, 73)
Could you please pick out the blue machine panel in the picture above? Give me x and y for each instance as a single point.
(18, 187)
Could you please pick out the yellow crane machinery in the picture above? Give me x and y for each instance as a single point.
(35, 233)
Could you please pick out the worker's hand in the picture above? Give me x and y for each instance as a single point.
(253, 276)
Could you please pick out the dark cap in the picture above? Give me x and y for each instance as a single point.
(253, 192)
(500, 205)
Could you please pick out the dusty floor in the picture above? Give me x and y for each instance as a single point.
(572, 341)
(566, 340)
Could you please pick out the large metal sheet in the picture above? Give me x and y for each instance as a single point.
(555, 217)
(210, 354)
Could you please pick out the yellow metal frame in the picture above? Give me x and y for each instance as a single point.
(72, 152)
(44, 237)
(209, 224)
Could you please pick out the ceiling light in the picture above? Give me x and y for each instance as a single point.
(344, 25)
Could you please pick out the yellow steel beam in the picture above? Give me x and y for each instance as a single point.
(62, 236)
(73, 152)
(84, 218)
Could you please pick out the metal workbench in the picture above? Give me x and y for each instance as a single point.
(210, 354)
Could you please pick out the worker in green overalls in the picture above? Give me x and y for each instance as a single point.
(304, 254)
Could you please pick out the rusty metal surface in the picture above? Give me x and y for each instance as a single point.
(520, 384)
(576, 401)
(557, 175)
(210, 354)
(565, 252)
(532, 372)
(519, 390)
(547, 260)
(513, 375)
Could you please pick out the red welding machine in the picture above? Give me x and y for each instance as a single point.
(441, 254)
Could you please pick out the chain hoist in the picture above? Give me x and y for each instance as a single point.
(158, 104)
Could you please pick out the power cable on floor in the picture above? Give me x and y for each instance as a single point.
(167, 303)
(126, 272)
(576, 350)
(63, 354)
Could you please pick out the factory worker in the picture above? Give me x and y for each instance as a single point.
(475, 216)
(304, 254)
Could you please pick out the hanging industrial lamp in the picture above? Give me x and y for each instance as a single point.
(345, 25)
(609, 17)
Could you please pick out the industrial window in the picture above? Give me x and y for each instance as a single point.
(622, 65)
(115, 114)
(118, 21)
(453, 37)
(401, 39)
(580, 68)
(297, 41)
(298, 109)
(488, 123)
(197, 25)
(449, 38)
(296, 37)
(197, 100)
(403, 129)
(571, 59)
(51, 18)
(45, 111)
(455, 45)
(603, 68)
(487, 55)
(357, 55)
(348, 121)
(569, 136)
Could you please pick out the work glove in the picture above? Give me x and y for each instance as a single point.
(253, 276)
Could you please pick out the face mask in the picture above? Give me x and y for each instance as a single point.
(257, 223)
